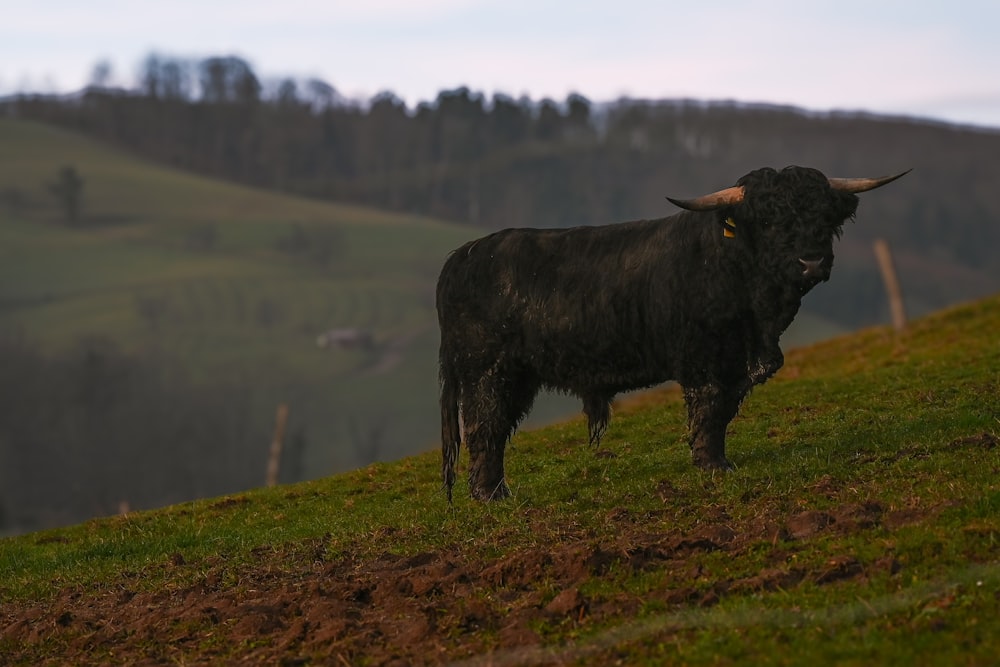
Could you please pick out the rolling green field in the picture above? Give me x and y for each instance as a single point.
(860, 527)
(201, 271)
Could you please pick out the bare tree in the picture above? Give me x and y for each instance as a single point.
(149, 76)
(228, 79)
(320, 95)
(175, 79)
(101, 74)
(68, 190)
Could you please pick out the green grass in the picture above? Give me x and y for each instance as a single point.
(906, 423)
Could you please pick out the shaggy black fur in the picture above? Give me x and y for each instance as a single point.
(594, 311)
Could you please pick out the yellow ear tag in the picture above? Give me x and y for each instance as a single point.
(729, 231)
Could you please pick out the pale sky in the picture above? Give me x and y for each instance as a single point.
(912, 57)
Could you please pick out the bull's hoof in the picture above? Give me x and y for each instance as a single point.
(713, 463)
(489, 494)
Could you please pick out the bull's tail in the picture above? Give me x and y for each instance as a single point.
(451, 434)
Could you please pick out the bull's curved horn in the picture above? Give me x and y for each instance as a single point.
(855, 185)
(727, 197)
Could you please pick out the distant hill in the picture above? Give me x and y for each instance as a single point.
(503, 162)
(209, 297)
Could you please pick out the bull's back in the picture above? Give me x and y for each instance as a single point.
(564, 293)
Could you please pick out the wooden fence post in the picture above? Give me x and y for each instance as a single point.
(891, 281)
(274, 459)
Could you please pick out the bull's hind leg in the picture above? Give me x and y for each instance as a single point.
(597, 407)
(710, 409)
(493, 411)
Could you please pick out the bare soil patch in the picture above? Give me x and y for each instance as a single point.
(295, 606)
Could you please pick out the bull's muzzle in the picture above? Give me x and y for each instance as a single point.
(813, 269)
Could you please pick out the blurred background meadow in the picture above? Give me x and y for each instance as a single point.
(198, 226)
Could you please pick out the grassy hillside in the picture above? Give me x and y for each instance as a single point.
(860, 527)
(229, 282)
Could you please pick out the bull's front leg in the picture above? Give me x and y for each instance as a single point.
(764, 356)
(710, 409)
(765, 362)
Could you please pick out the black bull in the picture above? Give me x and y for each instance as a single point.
(700, 297)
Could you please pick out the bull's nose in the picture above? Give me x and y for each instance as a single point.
(813, 268)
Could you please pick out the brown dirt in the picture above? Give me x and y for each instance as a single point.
(296, 606)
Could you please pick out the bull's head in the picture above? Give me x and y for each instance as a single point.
(788, 218)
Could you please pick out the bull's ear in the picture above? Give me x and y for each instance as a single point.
(716, 200)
